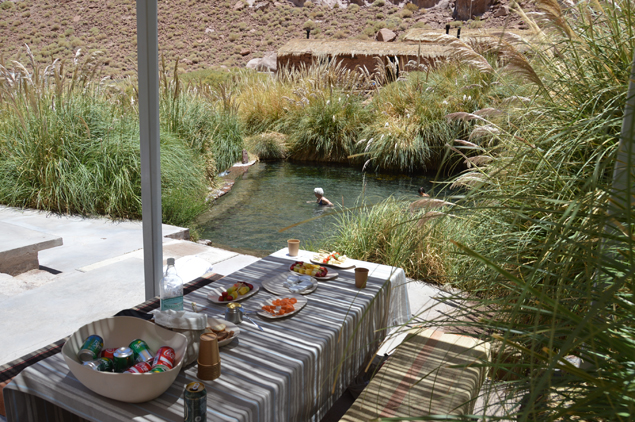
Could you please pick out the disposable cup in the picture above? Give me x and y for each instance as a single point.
(361, 276)
(208, 353)
(294, 247)
(208, 372)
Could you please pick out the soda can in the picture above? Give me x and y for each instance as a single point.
(142, 352)
(108, 353)
(195, 398)
(123, 358)
(160, 368)
(164, 356)
(139, 368)
(101, 364)
(91, 348)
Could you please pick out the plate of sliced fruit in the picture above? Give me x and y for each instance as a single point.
(282, 307)
(225, 331)
(232, 293)
(316, 271)
(334, 259)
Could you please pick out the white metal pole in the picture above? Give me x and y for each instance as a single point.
(148, 67)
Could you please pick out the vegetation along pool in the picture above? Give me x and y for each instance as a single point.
(272, 196)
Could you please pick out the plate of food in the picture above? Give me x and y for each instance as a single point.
(232, 293)
(225, 331)
(316, 271)
(282, 307)
(283, 284)
(334, 259)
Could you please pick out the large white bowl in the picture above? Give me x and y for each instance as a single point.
(119, 332)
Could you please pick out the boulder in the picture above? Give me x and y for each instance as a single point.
(239, 5)
(502, 11)
(269, 63)
(263, 5)
(465, 9)
(253, 64)
(209, 30)
(385, 35)
(245, 52)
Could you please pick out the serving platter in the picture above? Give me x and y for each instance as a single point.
(301, 302)
(229, 326)
(345, 266)
(216, 291)
(274, 285)
(329, 276)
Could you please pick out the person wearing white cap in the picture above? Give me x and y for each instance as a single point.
(321, 200)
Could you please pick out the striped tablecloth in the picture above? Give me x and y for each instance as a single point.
(286, 373)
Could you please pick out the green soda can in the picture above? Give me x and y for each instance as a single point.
(91, 348)
(159, 368)
(142, 352)
(101, 364)
(195, 397)
(123, 358)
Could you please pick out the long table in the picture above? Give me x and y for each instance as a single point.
(294, 370)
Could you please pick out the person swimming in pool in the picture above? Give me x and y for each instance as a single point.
(321, 200)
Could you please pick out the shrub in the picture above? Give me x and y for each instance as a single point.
(339, 34)
(233, 37)
(405, 13)
(412, 7)
(353, 8)
(7, 5)
(268, 146)
(309, 25)
(379, 3)
(308, 4)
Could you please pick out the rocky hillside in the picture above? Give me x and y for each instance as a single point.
(205, 33)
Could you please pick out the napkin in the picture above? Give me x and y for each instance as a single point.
(182, 320)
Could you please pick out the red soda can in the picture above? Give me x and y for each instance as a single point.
(139, 368)
(108, 353)
(164, 356)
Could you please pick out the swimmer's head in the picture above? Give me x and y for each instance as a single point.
(318, 191)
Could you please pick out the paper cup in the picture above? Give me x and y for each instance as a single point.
(208, 372)
(361, 276)
(208, 353)
(294, 247)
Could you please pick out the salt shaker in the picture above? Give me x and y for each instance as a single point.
(234, 313)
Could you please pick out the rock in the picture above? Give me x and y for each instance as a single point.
(385, 35)
(239, 5)
(253, 64)
(208, 30)
(263, 5)
(269, 62)
(277, 4)
(245, 52)
(502, 11)
(77, 18)
(465, 9)
(245, 157)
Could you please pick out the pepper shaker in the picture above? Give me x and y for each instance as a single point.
(234, 313)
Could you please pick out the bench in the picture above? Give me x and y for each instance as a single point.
(430, 373)
(19, 248)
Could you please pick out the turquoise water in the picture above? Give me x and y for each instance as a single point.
(272, 196)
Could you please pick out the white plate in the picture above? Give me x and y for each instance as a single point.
(343, 266)
(329, 276)
(298, 305)
(274, 285)
(219, 289)
(229, 326)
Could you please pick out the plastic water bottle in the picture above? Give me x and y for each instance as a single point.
(171, 289)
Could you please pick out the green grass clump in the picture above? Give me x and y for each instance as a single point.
(326, 129)
(268, 146)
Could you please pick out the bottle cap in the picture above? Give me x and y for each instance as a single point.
(170, 261)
